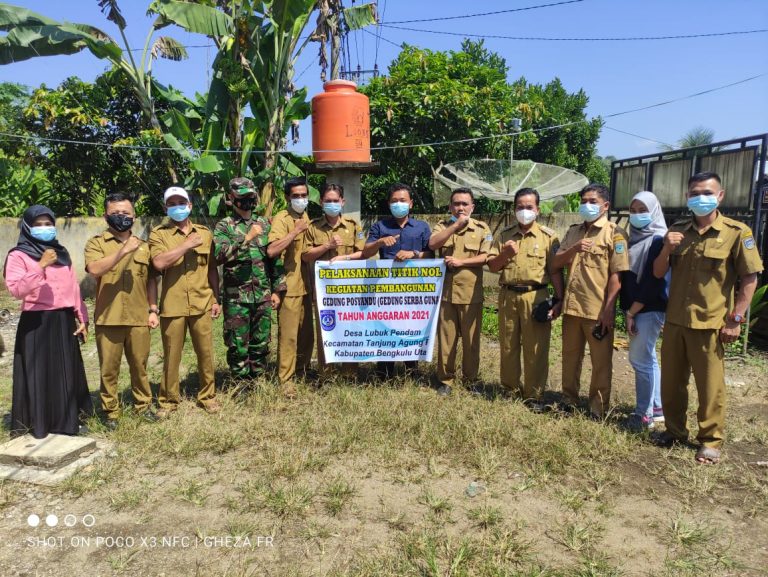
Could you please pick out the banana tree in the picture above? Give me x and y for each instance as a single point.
(31, 35)
(258, 43)
(189, 127)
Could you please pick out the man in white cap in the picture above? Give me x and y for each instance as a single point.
(183, 252)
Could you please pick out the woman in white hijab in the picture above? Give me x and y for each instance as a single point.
(644, 301)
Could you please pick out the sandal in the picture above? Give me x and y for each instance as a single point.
(708, 456)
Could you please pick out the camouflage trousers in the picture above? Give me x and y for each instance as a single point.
(247, 328)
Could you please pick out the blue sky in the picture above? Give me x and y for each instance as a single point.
(617, 76)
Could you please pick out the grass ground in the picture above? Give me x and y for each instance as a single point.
(363, 479)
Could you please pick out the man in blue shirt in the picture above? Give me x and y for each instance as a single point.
(400, 238)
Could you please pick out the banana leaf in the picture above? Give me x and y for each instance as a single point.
(361, 16)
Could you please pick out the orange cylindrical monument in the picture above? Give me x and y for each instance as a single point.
(341, 124)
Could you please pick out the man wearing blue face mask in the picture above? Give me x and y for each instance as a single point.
(184, 253)
(295, 336)
(399, 238)
(332, 237)
(464, 243)
(595, 253)
(707, 254)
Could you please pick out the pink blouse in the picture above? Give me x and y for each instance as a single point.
(54, 287)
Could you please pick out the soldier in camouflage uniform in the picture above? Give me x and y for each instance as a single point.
(253, 282)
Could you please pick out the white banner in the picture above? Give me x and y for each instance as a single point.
(378, 310)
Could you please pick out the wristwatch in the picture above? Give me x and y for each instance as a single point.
(737, 318)
(155, 310)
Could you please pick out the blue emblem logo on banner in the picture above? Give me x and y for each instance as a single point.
(328, 319)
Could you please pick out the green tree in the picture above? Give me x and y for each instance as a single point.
(33, 35)
(431, 96)
(99, 114)
(698, 136)
(258, 44)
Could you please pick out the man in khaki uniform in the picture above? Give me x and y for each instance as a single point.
(184, 253)
(594, 252)
(331, 237)
(707, 253)
(294, 317)
(524, 253)
(464, 243)
(126, 306)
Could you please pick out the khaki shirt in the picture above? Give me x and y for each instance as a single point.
(589, 271)
(296, 271)
(533, 261)
(186, 291)
(705, 267)
(121, 292)
(464, 285)
(319, 233)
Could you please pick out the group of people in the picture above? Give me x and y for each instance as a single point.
(682, 279)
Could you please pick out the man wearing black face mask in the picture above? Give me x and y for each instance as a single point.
(126, 305)
(253, 282)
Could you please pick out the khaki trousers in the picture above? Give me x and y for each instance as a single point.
(520, 333)
(701, 350)
(174, 332)
(111, 341)
(456, 322)
(295, 338)
(577, 332)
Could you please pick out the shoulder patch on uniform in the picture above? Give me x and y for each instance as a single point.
(749, 242)
(546, 230)
(618, 238)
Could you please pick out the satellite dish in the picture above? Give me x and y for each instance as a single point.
(501, 179)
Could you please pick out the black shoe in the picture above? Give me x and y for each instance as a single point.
(567, 408)
(444, 390)
(477, 390)
(534, 406)
(667, 440)
(148, 417)
(83, 431)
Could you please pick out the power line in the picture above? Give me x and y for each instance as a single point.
(694, 95)
(395, 44)
(398, 146)
(579, 39)
(637, 135)
(183, 46)
(462, 17)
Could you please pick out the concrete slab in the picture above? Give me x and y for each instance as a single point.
(49, 477)
(52, 452)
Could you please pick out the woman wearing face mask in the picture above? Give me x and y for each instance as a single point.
(644, 301)
(332, 237)
(50, 391)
